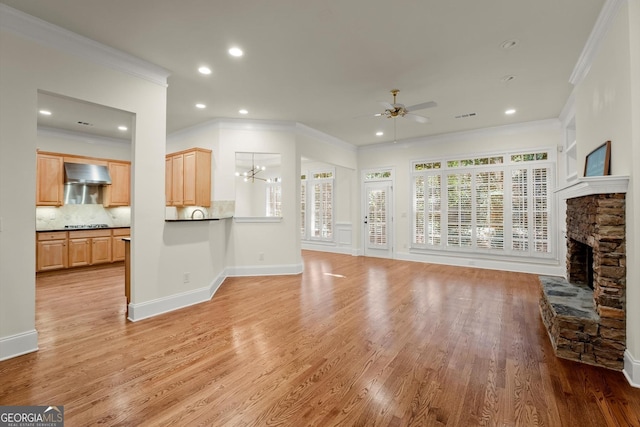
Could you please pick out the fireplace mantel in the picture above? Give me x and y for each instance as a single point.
(591, 185)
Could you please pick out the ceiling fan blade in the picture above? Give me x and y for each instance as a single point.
(386, 105)
(416, 118)
(422, 106)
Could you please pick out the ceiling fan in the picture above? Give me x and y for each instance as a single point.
(399, 110)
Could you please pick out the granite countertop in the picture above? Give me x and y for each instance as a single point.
(196, 219)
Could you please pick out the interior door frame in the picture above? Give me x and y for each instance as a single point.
(385, 176)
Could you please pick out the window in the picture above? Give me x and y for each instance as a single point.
(316, 196)
(274, 197)
(496, 204)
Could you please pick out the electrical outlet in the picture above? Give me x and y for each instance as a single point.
(186, 277)
(261, 256)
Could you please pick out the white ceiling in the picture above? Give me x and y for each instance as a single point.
(82, 117)
(328, 63)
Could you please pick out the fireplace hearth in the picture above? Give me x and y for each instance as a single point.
(585, 314)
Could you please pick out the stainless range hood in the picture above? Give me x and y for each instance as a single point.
(80, 173)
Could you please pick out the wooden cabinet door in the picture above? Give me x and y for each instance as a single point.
(100, 250)
(118, 193)
(177, 180)
(49, 180)
(51, 255)
(117, 244)
(168, 181)
(189, 178)
(79, 252)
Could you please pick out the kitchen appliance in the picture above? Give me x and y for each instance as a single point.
(82, 173)
(83, 183)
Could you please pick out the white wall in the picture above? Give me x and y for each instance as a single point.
(545, 134)
(607, 108)
(253, 247)
(83, 145)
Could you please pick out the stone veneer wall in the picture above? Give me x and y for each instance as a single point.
(597, 337)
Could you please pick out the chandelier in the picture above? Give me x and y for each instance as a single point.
(251, 174)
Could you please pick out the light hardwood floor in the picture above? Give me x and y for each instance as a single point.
(353, 341)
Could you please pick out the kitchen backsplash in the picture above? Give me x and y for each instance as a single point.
(55, 218)
(218, 209)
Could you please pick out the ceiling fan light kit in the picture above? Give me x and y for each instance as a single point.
(395, 110)
(399, 110)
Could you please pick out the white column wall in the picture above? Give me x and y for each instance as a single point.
(160, 252)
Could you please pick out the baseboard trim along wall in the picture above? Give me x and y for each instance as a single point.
(631, 369)
(547, 269)
(264, 270)
(19, 344)
(158, 306)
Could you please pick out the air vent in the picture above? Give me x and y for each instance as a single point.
(84, 123)
(464, 116)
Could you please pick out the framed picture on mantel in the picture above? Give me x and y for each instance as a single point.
(597, 162)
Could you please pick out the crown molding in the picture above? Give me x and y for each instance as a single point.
(549, 124)
(305, 130)
(262, 125)
(47, 34)
(603, 23)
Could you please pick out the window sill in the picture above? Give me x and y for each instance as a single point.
(257, 219)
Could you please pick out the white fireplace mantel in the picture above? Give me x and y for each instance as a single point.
(591, 185)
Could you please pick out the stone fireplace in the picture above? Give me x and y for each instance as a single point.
(585, 314)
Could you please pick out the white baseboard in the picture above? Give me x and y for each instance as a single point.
(265, 270)
(344, 250)
(158, 306)
(523, 266)
(19, 344)
(631, 369)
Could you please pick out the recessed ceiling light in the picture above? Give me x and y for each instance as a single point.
(243, 111)
(236, 51)
(201, 106)
(510, 111)
(509, 44)
(379, 133)
(122, 128)
(204, 70)
(45, 112)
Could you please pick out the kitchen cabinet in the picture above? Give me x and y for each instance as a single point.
(79, 252)
(61, 249)
(188, 178)
(119, 192)
(51, 250)
(49, 180)
(117, 244)
(89, 247)
(175, 187)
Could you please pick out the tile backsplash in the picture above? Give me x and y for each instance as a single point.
(55, 218)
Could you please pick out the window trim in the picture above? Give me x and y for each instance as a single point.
(506, 166)
(309, 181)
